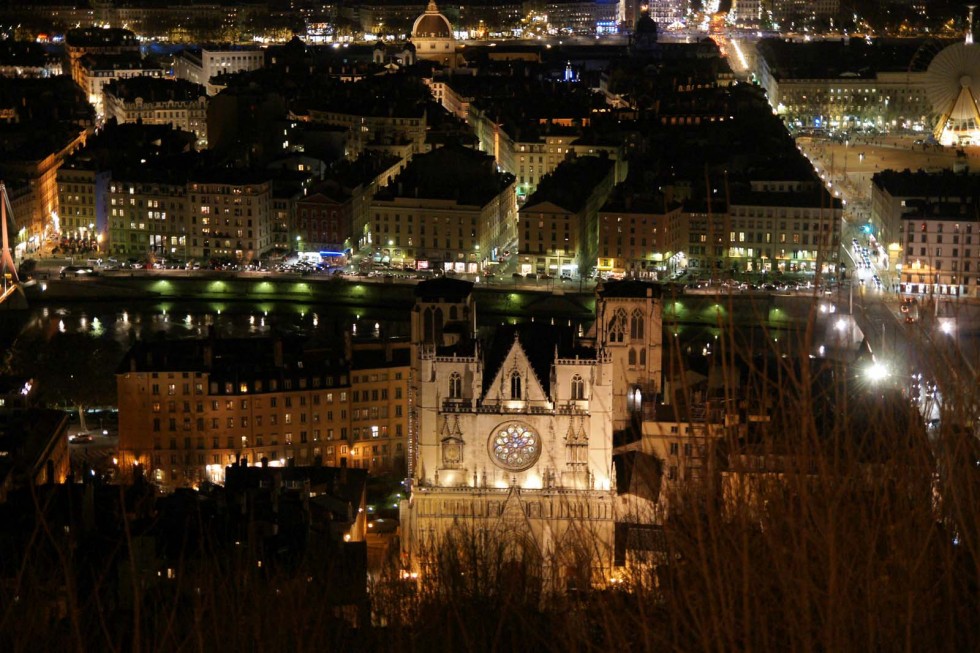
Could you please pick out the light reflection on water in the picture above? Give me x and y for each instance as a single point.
(127, 323)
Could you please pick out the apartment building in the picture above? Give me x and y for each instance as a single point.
(558, 226)
(448, 209)
(156, 101)
(642, 237)
(941, 247)
(199, 66)
(231, 214)
(532, 151)
(82, 201)
(97, 71)
(148, 216)
(97, 41)
(190, 408)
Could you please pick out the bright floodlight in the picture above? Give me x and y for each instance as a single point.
(841, 324)
(876, 372)
(946, 327)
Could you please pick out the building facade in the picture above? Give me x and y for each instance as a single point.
(558, 227)
(511, 445)
(156, 101)
(200, 66)
(188, 409)
(448, 209)
(941, 247)
(97, 71)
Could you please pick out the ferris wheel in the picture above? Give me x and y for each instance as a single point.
(953, 87)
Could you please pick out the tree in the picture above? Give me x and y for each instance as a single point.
(71, 369)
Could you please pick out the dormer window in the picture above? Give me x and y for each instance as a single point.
(578, 388)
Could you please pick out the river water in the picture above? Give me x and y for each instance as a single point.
(131, 321)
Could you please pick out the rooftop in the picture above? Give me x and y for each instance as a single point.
(452, 172)
(154, 89)
(572, 183)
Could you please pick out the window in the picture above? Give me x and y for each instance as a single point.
(578, 387)
(636, 325)
(515, 385)
(455, 386)
(617, 326)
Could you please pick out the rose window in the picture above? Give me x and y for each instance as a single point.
(515, 447)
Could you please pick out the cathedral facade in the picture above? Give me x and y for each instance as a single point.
(512, 443)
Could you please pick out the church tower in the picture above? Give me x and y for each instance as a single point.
(629, 328)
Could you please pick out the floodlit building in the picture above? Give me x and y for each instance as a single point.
(511, 445)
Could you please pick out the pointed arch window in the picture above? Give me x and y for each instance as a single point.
(578, 387)
(636, 325)
(515, 385)
(643, 357)
(455, 386)
(632, 358)
(617, 326)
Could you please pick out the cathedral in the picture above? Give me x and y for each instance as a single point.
(511, 435)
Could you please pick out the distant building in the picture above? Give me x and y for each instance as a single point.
(83, 202)
(433, 38)
(200, 66)
(845, 85)
(97, 71)
(156, 101)
(27, 59)
(558, 226)
(448, 210)
(325, 221)
(530, 148)
(97, 41)
(641, 236)
(230, 213)
(785, 226)
(577, 17)
(895, 193)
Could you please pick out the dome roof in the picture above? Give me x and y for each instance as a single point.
(432, 24)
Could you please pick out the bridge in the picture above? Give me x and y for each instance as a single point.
(12, 295)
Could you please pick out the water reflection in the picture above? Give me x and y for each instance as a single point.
(143, 320)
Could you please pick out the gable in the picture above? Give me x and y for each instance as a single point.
(516, 362)
(543, 207)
